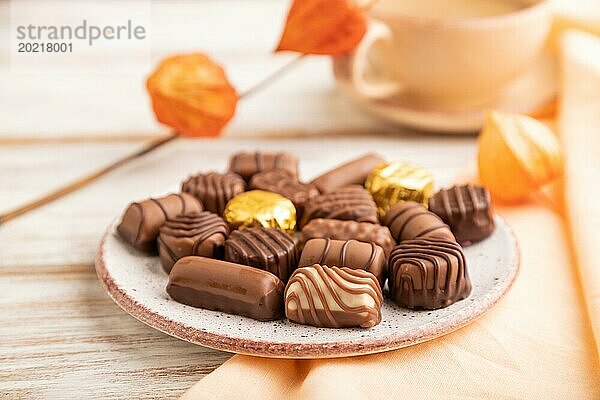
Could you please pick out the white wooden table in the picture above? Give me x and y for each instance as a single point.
(61, 336)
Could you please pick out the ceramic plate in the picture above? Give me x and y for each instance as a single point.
(137, 283)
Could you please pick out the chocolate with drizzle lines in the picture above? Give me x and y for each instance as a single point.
(285, 184)
(348, 203)
(264, 248)
(428, 273)
(197, 234)
(467, 210)
(248, 164)
(333, 297)
(409, 220)
(214, 190)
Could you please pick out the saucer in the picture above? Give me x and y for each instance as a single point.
(528, 93)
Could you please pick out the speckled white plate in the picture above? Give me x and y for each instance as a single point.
(137, 283)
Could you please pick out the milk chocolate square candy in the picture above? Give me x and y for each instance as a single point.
(345, 253)
(142, 220)
(248, 164)
(223, 286)
(197, 234)
(264, 248)
(467, 210)
(348, 203)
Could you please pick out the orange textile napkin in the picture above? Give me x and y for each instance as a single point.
(579, 122)
(537, 343)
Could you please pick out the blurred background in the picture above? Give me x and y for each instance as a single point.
(239, 34)
(66, 336)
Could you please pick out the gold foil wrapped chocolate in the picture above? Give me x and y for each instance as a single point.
(399, 181)
(260, 208)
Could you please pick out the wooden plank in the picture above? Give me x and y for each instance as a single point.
(29, 171)
(63, 337)
(67, 231)
(240, 35)
(76, 138)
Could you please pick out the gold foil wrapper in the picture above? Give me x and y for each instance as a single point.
(399, 181)
(260, 208)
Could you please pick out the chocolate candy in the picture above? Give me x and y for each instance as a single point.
(263, 248)
(260, 208)
(428, 273)
(142, 220)
(333, 297)
(283, 183)
(467, 210)
(248, 164)
(354, 172)
(410, 220)
(398, 181)
(214, 190)
(345, 253)
(223, 286)
(348, 203)
(197, 234)
(346, 230)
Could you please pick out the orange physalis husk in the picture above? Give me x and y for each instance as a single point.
(517, 156)
(192, 94)
(325, 27)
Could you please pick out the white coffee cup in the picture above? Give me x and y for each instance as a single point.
(451, 62)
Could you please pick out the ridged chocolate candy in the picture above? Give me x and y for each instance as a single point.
(398, 181)
(333, 297)
(223, 286)
(214, 190)
(410, 220)
(428, 273)
(346, 230)
(354, 172)
(345, 253)
(285, 184)
(467, 210)
(264, 248)
(198, 234)
(142, 220)
(348, 203)
(260, 208)
(248, 164)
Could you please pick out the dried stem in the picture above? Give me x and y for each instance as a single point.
(272, 77)
(86, 180)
